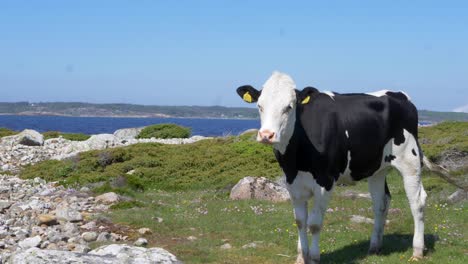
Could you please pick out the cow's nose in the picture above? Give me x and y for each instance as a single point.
(266, 136)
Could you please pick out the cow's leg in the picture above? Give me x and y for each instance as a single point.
(315, 221)
(381, 202)
(300, 214)
(408, 162)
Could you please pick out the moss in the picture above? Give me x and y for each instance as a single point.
(165, 131)
(69, 136)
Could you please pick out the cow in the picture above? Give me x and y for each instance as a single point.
(323, 138)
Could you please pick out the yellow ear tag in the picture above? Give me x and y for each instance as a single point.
(247, 97)
(306, 100)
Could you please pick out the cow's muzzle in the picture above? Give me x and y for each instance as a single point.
(265, 136)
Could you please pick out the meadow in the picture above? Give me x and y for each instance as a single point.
(181, 192)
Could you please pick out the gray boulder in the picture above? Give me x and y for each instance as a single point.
(30, 137)
(457, 196)
(110, 254)
(259, 188)
(128, 133)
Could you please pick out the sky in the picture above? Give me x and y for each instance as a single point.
(199, 52)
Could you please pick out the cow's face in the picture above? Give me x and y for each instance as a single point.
(277, 106)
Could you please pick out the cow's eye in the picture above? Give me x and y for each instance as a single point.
(260, 108)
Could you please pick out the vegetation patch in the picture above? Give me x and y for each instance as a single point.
(165, 131)
(4, 132)
(435, 140)
(69, 136)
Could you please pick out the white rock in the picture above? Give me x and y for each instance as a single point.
(89, 236)
(30, 137)
(141, 242)
(128, 133)
(226, 246)
(144, 231)
(30, 242)
(259, 188)
(136, 255)
(108, 198)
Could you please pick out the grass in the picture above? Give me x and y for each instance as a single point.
(69, 136)
(188, 186)
(445, 136)
(4, 132)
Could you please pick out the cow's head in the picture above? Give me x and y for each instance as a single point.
(277, 103)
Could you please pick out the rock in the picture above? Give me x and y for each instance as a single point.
(30, 242)
(4, 205)
(101, 141)
(259, 188)
(47, 219)
(30, 137)
(191, 238)
(358, 219)
(141, 242)
(64, 212)
(250, 245)
(128, 133)
(108, 198)
(144, 231)
(226, 246)
(89, 236)
(104, 237)
(136, 255)
(458, 196)
(353, 195)
(89, 226)
(38, 256)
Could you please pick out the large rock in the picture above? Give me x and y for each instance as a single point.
(110, 254)
(128, 133)
(457, 196)
(101, 141)
(30, 242)
(259, 188)
(30, 137)
(108, 198)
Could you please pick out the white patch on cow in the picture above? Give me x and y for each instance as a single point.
(379, 93)
(277, 104)
(331, 94)
(345, 177)
(346, 133)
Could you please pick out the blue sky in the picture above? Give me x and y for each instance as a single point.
(198, 52)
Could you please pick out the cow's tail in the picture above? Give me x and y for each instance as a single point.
(442, 173)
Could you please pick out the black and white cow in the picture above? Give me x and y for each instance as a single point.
(324, 138)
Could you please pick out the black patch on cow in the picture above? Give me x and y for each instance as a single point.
(389, 158)
(319, 144)
(414, 152)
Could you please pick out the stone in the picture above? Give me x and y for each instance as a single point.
(5, 205)
(30, 137)
(47, 219)
(104, 237)
(259, 188)
(191, 238)
(64, 212)
(47, 256)
(226, 246)
(353, 195)
(128, 133)
(30, 242)
(136, 255)
(89, 226)
(89, 236)
(144, 231)
(108, 198)
(250, 245)
(141, 242)
(458, 196)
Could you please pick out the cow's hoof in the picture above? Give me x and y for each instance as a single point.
(415, 258)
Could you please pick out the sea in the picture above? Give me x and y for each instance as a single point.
(100, 125)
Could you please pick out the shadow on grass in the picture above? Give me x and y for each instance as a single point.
(392, 243)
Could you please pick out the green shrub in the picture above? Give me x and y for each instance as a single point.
(4, 132)
(165, 131)
(69, 136)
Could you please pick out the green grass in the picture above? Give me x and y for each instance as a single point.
(69, 136)
(165, 131)
(213, 219)
(442, 137)
(4, 132)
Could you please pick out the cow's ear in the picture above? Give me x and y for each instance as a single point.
(248, 93)
(304, 96)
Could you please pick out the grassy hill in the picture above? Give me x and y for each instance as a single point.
(188, 186)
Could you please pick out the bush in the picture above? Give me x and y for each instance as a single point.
(69, 136)
(165, 131)
(6, 132)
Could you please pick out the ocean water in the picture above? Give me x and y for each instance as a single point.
(98, 125)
